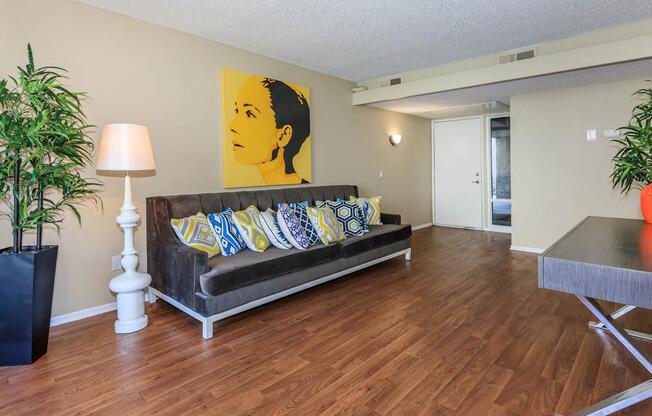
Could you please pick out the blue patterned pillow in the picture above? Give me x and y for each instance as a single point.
(348, 214)
(292, 230)
(300, 210)
(231, 242)
(363, 211)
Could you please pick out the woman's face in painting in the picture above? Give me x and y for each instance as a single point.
(253, 129)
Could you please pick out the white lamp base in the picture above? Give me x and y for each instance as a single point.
(133, 325)
(129, 286)
(130, 290)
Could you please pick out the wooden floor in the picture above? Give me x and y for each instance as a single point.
(460, 330)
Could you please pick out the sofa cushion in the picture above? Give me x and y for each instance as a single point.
(249, 267)
(378, 236)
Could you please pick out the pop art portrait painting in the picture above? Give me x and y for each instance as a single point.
(266, 131)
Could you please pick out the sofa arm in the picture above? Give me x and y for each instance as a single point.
(179, 272)
(390, 218)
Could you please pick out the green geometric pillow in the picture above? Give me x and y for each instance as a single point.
(248, 222)
(326, 224)
(195, 232)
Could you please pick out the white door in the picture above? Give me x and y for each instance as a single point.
(457, 168)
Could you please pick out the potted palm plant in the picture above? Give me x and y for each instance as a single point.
(633, 160)
(44, 146)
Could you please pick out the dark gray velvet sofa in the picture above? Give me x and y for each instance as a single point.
(215, 288)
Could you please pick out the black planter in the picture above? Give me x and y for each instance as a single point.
(26, 286)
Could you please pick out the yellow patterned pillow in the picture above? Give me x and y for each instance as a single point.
(248, 223)
(194, 231)
(371, 206)
(326, 224)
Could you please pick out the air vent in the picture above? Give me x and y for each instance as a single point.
(389, 82)
(525, 55)
(517, 56)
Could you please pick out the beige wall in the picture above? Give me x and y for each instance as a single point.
(142, 73)
(558, 177)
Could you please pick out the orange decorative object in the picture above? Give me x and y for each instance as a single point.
(645, 247)
(646, 203)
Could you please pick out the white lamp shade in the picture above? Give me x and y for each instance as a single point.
(125, 147)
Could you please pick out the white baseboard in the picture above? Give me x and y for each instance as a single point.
(528, 249)
(84, 313)
(418, 227)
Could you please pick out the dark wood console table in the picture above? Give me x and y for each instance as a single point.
(607, 259)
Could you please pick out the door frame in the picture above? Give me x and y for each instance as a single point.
(482, 170)
(488, 226)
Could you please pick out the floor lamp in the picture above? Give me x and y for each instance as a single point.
(126, 148)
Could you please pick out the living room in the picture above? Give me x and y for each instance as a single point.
(359, 262)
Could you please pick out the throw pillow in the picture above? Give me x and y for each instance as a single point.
(226, 232)
(372, 208)
(325, 222)
(348, 214)
(273, 231)
(195, 232)
(292, 230)
(249, 225)
(300, 210)
(362, 214)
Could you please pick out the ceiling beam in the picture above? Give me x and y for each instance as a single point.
(593, 56)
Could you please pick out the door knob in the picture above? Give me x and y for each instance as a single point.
(476, 181)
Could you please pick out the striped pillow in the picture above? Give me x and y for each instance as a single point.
(273, 231)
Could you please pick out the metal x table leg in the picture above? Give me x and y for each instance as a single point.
(617, 314)
(630, 396)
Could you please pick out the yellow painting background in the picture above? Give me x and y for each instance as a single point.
(237, 175)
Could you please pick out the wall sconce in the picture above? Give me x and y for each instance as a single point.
(394, 139)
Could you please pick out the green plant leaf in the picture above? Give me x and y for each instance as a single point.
(43, 125)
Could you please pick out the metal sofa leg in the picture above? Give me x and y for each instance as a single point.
(408, 255)
(152, 297)
(207, 329)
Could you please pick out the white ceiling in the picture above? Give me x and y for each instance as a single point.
(364, 39)
(462, 102)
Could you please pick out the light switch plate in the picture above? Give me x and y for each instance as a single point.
(591, 135)
(116, 263)
(381, 174)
